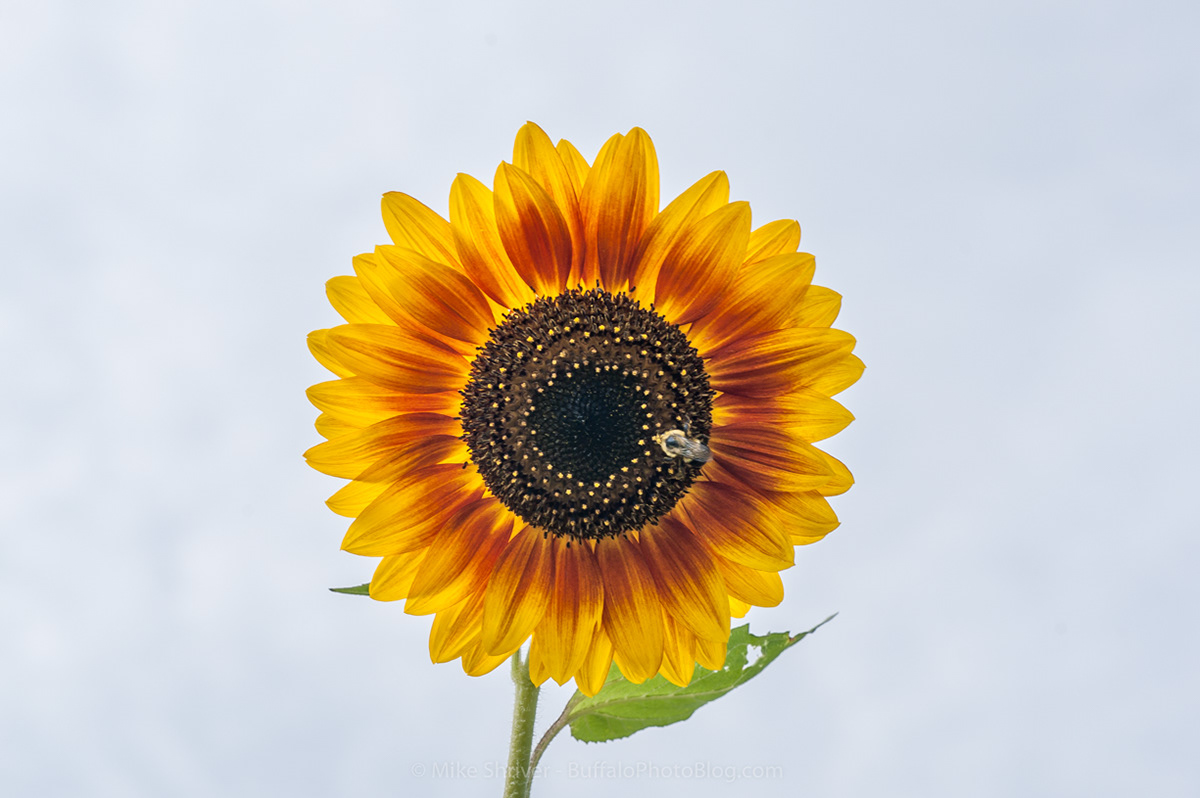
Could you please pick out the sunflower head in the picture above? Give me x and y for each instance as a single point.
(572, 418)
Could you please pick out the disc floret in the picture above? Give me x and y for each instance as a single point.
(566, 405)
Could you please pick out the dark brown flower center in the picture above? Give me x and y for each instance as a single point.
(566, 408)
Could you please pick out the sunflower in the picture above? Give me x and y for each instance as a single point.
(573, 419)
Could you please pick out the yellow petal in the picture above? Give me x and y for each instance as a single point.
(576, 165)
(776, 363)
(362, 402)
(807, 515)
(352, 302)
(773, 238)
(618, 200)
(477, 239)
(705, 196)
(533, 230)
(820, 307)
(432, 450)
(766, 458)
(760, 588)
(455, 628)
(318, 344)
(841, 480)
(573, 613)
(355, 497)
(837, 377)
(394, 576)
(702, 264)
(436, 296)
(477, 662)
(370, 270)
(538, 673)
(396, 359)
(461, 554)
(738, 525)
(384, 274)
(350, 455)
(679, 653)
(414, 226)
(711, 653)
(534, 154)
(596, 665)
(408, 515)
(763, 298)
(803, 413)
(517, 591)
(687, 579)
(331, 428)
(632, 609)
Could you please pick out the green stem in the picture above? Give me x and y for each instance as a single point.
(520, 773)
(554, 729)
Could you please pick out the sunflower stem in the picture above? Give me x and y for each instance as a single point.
(519, 776)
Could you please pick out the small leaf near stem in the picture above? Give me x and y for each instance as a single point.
(357, 590)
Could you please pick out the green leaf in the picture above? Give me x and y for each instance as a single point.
(622, 708)
(358, 590)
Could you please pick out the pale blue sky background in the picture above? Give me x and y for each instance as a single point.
(1005, 192)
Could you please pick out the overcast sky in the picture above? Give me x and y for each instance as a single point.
(1006, 194)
